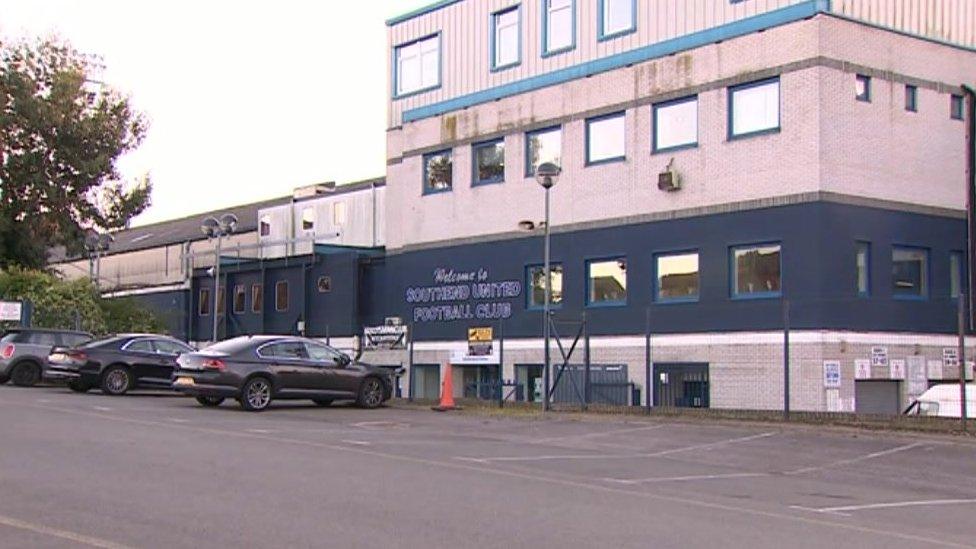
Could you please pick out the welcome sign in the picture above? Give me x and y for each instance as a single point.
(463, 295)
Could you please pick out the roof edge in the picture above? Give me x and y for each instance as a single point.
(419, 11)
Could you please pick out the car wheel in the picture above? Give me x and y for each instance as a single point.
(323, 402)
(256, 394)
(210, 402)
(26, 374)
(116, 381)
(370, 393)
(79, 386)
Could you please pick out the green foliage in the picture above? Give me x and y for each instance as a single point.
(75, 304)
(61, 133)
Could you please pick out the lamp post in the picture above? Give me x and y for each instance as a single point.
(547, 174)
(96, 244)
(214, 228)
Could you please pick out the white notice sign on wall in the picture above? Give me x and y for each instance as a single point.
(862, 368)
(897, 369)
(831, 373)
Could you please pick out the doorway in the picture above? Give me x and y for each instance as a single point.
(681, 385)
(529, 382)
(425, 381)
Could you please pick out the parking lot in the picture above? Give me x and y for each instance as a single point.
(156, 470)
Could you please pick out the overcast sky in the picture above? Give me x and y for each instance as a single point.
(247, 100)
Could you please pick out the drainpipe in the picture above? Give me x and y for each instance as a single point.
(373, 190)
(970, 195)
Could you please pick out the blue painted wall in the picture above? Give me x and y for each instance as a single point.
(170, 308)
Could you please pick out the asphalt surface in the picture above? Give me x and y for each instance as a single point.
(160, 471)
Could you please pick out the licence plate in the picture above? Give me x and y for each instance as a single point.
(185, 381)
(57, 357)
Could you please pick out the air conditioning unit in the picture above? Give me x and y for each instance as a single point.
(669, 180)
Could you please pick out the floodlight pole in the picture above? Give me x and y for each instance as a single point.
(546, 309)
(216, 295)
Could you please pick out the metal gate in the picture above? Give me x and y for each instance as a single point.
(877, 397)
(425, 381)
(681, 385)
(608, 385)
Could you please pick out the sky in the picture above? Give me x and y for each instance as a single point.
(246, 100)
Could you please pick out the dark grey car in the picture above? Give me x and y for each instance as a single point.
(258, 369)
(24, 352)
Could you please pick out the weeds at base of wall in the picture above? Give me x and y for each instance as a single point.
(908, 424)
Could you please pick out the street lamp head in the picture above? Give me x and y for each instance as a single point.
(526, 225)
(228, 223)
(210, 227)
(547, 174)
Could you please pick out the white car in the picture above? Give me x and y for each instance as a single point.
(943, 401)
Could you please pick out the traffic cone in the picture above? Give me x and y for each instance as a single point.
(447, 392)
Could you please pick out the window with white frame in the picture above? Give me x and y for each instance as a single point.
(605, 138)
(676, 124)
(505, 36)
(754, 108)
(418, 65)
(616, 17)
(559, 25)
(339, 214)
(540, 147)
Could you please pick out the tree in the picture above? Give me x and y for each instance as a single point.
(61, 133)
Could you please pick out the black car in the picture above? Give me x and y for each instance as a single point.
(24, 351)
(117, 364)
(258, 369)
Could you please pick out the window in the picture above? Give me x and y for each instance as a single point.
(910, 272)
(140, 346)
(204, 304)
(558, 26)
(755, 108)
(308, 219)
(675, 124)
(43, 338)
(956, 107)
(540, 147)
(323, 353)
(756, 271)
(676, 277)
(239, 297)
(605, 139)
(606, 282)
(294, 350)
(862, 262)
(537, 285)
(957, 274)
(167, 347)
(862, 88)
(220, 299)
(489, 162)
(281, 296)
(264, 226)
(339, 214)
(911, 98)
(417, 66)
(616, 18)
(257, 298)
(505, 39)
(438, 172)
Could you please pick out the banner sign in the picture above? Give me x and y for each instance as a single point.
(11, 311)
(463, 295)
(831, 373)
(384, 337)
(480, 341)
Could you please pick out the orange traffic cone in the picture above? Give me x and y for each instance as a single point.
(447, 392)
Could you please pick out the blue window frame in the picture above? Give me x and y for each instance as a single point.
(535, 281)
(615, 18)
(558, 26)
(606, 282)
(754, 108)
(862, 265)
(911, 98)
(862, 88)
(542, 146)
(438, 172)
(675, 125)
(506, 38)
(417, 66)
(956, 107)
(909, 272)
(606, 139)
(676, 277)
(488, 162)
(756, 271)
(957, 273)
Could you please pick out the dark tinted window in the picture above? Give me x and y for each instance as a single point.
(286, 349)
(113, 341)
(42, 338)
(10, 337)
(73, 340)
(322, 353)
(140, 345)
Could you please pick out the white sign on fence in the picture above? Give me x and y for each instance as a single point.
(879, 356)
(11, 311)
(897, 370)
(935, 369)
(831, 373)
(950, 358)
(862, 367)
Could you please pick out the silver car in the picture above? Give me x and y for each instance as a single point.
(24, 352)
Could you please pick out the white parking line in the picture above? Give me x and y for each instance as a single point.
(102, 408)
(356, 442)
(858, 459)
(57, 533)
(845, 510)
(598, 434)
(616, 456)
(685, 478)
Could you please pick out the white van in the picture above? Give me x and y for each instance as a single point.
(943, 401)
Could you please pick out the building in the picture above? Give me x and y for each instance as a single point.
(726, 165)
